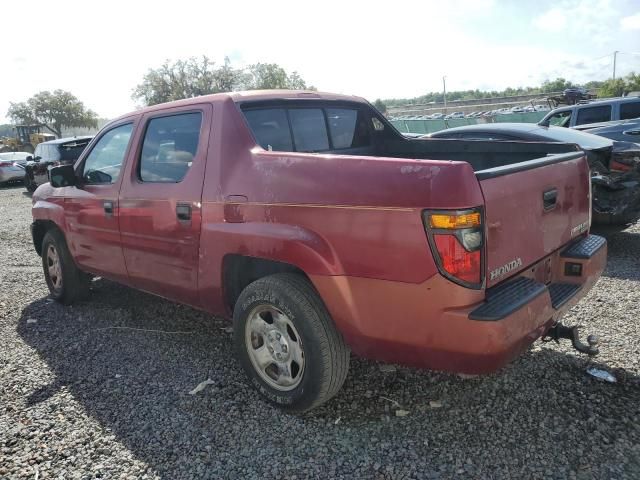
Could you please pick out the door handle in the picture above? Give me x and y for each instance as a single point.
(183, 212)
(549, 199)
(108, 208)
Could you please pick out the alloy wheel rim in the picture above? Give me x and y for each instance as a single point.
(54, 268)
(274, 347)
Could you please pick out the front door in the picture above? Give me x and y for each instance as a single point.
(160, 203)
(91, 210)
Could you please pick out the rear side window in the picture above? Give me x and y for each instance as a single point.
(309, 129)
(271, 128)
(629, 110)
(597, 114)
(170, 145)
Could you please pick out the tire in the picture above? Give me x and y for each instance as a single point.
(29, 184)
(66, 282)
(280, 319)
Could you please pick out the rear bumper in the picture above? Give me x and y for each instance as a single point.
(443, 326)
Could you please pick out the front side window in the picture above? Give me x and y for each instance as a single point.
(629, 110)
(598, 114)
(104, 162)
(170, 145)
(560, 119)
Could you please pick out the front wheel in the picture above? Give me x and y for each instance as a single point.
(29, 184)
(66, 282)
(287, 343)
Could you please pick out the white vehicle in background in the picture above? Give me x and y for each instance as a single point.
(437, 116)
(541, 108)
(12, 166)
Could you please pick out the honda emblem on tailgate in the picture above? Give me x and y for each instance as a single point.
(504, 269)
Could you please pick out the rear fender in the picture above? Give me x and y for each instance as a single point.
(290, 244)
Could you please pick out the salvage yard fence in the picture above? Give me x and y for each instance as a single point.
(430, 126)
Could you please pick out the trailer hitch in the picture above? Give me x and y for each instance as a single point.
(559, 331)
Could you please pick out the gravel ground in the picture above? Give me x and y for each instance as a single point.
(81, 399)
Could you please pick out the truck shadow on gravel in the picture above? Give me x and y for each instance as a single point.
(542, 411)
(623, 256)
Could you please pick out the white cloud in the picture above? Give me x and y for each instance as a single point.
(594, 21)
(631, 22)
(552, 20)
(378, 50)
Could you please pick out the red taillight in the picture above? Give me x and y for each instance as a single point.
(6, 164)
(457, 244)
(456, 260)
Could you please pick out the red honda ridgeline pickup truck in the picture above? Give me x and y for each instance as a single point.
(321, 230)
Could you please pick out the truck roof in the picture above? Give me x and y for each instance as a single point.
(249, 95)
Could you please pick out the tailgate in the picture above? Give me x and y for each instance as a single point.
(532, 209)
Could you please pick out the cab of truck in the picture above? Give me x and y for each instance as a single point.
(597, 111)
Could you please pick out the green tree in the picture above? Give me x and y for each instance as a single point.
(612, 88)
(186, 79)
(56, 111)
(380, 105)
(557, 85)
(632, 82)
(265, 76)
(200, 76)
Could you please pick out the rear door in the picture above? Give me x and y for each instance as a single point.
(91, 211)
(160, 209)
(532, 209)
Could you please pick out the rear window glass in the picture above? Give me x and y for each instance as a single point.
(271, 128)
(305, 129)
(309, 129)
(347, 127)
(629, 110)
(71, 151)
(598, 114)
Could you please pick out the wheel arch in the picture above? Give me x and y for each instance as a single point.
(238, 271)
(39, 229)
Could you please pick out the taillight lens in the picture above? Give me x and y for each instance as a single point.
(6, 164)
(456, 260)
(457, 240)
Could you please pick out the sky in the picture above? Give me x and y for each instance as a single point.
(100, 51)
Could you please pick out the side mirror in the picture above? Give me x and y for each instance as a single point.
(63, 176)
(37, 159)
(29, 158)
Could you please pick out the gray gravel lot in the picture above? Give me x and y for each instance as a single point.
(79, 399)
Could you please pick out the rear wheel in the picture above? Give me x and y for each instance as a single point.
(66, 282)
(287, 343)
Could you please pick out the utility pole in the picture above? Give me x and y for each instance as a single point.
(614, 63)
(444, 88)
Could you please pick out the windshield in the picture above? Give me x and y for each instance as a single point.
(568, 135)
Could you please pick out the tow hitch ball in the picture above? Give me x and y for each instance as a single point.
(559, 331)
